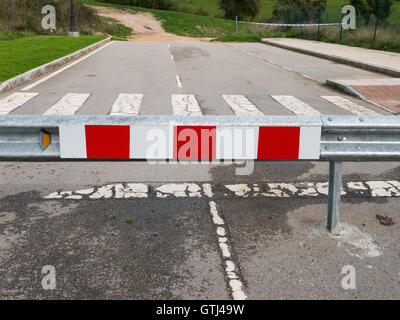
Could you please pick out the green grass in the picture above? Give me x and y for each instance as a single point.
(5, 36)
(212, 9)
(254, 37)
(240, 38)
(128, 220)
(23, 54)
(118, 31)
(395, 16)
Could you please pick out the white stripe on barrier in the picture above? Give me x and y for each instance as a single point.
(151, 142)
(73, 142)
(185, 105)
(350, 106)
(310, 140)
(237, 143)
(241, 105)
(127, 104)
(14, 101)
(297, 106)
(69, 104)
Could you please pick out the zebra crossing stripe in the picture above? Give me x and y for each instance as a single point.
(296, 106)
(182, 104)
(14, 101)
(69, 104)
(185, 105)
(350, 106)
(241, 105)
(127, 104)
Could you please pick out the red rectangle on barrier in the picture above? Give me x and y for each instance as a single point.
(278, 143)
(107, 142)
(195, 142)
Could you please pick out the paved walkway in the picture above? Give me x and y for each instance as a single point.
(383, 59)
(382, 91)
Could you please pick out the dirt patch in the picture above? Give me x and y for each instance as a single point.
(144, 25)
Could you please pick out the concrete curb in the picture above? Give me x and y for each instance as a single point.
(38, 71)
(350, 62)
(350, 90)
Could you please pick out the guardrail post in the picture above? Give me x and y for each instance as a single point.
(335, 188)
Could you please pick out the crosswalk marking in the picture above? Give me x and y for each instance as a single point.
(127, 104)
(350, 106)
(14, 101)
(185, 105)
(297, 106)
(182, 104)
(241, 105)
(69, 104)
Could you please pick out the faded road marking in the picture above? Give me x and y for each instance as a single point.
(127, 104)
(69, 104)
(350, 106)
(296, 106)
(368, 189)
(14, 101)
(241, 105)
(179, 82)
(224, 244)
(185, 105)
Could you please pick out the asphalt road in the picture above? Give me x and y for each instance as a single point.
(195, 231)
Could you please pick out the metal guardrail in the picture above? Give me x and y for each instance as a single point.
(342, 138)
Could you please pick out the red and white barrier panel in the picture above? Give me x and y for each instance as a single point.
(189, 142)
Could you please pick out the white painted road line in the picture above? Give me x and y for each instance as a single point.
(127, 104)
(234, 282)
(29, 87)
(368, 189)
(179, 82)
(241, 105)
(308, 77)
(172, 57)
(69, 104)
(185, 105)
(296, 106)
(14, 101)
(350, 106)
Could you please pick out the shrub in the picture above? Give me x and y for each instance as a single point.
(244, 9)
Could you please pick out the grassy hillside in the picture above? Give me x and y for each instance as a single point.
(211, 8)
(23, 17)
(191, 25)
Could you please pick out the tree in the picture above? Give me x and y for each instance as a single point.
(244, 9)
(378, 8)
(308, 9)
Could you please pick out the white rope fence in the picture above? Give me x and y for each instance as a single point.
(292, 24)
